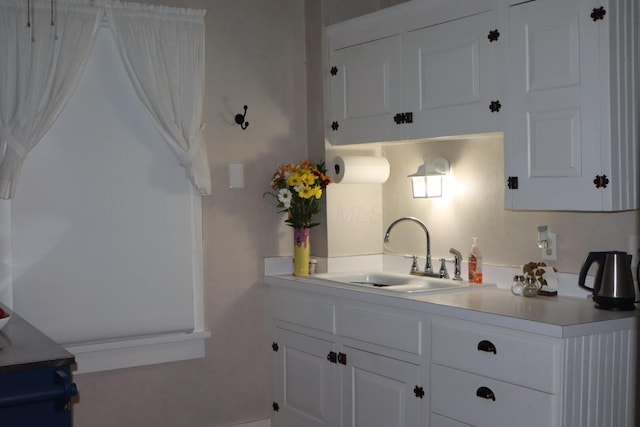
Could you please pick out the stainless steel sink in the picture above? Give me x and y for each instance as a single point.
(392, 282)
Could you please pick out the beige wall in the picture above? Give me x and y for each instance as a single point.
(475, 207)
(255, 55)
(358, 215)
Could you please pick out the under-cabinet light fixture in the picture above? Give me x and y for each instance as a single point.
(426, 182)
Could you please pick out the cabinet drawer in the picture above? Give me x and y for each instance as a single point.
(311, 312)
(436, 420)
(383, 327)
(519, 358)
(480, 401)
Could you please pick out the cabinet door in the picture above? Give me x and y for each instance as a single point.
(378, 391)
(305, 382)
(552, 144)
(365, 92)
(451, 77)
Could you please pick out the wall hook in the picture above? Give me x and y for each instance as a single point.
(240, 119)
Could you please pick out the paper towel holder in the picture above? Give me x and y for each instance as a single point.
(426, 182)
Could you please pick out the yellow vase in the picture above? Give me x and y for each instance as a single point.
(301, 249)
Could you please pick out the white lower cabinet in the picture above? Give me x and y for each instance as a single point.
(483, 402)
(370, 372)
(306, 385)
(487, 376)
(341, 362)
(436, 420)
(380, 391)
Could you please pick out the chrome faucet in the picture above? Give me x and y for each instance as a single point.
(428, 268)
(457, 261)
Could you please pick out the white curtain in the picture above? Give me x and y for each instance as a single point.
(40, 67)
(164, 56)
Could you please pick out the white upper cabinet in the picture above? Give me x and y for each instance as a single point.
(450, 77)
(560, 79)
(572, 139)
(366, 92)
(416, 71)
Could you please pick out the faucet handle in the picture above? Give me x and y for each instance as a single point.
(414, 264)
(444, 274)
(457, 262)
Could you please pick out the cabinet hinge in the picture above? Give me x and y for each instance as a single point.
(402, 118)
(334, 70)
(332, 357)
(418, 391)
(493, 36)
(495, 106)
(598, 13)
(334, 126)
(275, 407)
(342, 358)
(274, 346)
(512, 183)
(601, 181)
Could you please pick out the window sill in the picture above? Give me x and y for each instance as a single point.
(137, 351)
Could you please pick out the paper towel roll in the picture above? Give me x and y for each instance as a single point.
(359, 169)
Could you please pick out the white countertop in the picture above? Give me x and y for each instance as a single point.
(560, 316)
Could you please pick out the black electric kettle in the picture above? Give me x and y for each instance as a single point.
(613, 287)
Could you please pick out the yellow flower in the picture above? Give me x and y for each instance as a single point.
(317, 191)
(294, 179)
(306, 192)
(308, 178)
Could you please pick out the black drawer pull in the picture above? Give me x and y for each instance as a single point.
(486, 393)
(487, 346)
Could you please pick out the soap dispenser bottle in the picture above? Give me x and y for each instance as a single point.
(475, 263)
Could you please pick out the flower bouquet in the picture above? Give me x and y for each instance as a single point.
(298, 190)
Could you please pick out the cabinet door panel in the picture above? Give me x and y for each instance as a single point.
(301, 310)
(366, 92)
(552, 143)
(305, 383)
(378, 391)
(391, 329)
(450, 77)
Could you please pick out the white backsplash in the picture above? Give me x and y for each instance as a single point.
(500, 275)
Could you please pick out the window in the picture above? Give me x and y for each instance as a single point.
(105, 230)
